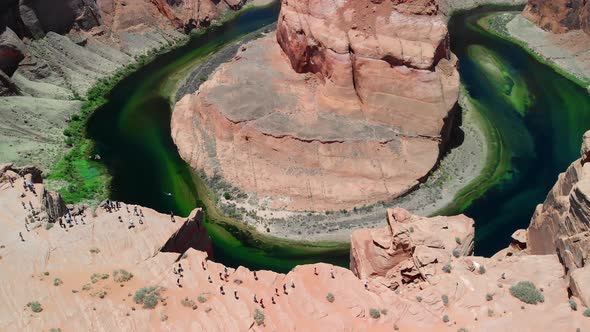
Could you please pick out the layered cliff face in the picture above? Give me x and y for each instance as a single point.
(351, 106)
(560, 15)
(561, 224)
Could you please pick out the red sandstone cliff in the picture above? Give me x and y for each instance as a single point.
(559, 15)
(352, 106)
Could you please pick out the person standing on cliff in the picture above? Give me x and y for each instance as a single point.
(21, 236)
(172, 217)
(332, 273)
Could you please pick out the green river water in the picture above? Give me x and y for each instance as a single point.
(535, 117)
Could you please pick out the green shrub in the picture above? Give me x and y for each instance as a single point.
(35, 306)
(586, 313)
(445, 318)
(482, 269)
(95, 277)
(489, 297)
(330, 297)
(447, 268)
(122, 275)
(445, 299)
(527, 292)
(148, 296)
(374, 313)
(57, 282)
(226, 195)
(456, 253)
(188, 303)
(419, 298)
(258, 316)
(202, 298)
(458, 240)
(573, 304)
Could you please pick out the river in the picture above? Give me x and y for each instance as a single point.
(538, 118)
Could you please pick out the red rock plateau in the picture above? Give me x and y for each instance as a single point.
(559, 16)
(415, 274)
(349, 104)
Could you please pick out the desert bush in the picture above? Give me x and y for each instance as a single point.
(586, 313)
(374, 313)
(419, 298)
(330, 297)
(490, 312)
(57, 282)
(202, 298)
(573, 304)
(527, 292)
(456, 253)
(447, 268)
(122, 275)
(95, 277)
(445, 318)
(482, 269)
(94, 250)
(258, 316)
(489, 297)
(445, 299)
(35, 306)
(458, 240)
(49, 225)
(148, 296)
(188, 303)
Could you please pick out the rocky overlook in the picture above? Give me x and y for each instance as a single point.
(93, 273)
(350, 103)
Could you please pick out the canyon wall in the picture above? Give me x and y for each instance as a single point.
(348, 104)
(559, 16)
(561, 224)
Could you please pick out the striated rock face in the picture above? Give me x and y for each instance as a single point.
(562, 223)
(351, 107)
(410, 248)
(559, 15)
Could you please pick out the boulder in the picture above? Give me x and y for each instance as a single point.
(53, 204)
(12, 51)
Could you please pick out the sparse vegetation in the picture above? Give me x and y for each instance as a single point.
(374, 313)
(55, 330)
(445, 299)
(45, 273)
(49, 225)
(94, 250)
(411, 229)
(447, 268)
(457, 240)
(456, 253)
(188, 303)
(419, 298)
(122, 275)
(445, 318)
(482, 269)
(527, 292)
(490, 312)
(330, 297)
(462, 330)
(148, 296)
(202, 298)
(86, 287)
(489, 297)
(573, 304)
(95, 277)
(57, 282)
(258, 316)
(586, 313)
(35, 306)
(227, 195)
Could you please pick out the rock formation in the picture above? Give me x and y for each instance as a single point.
(561, 224)
(70, 278)
(352, 106)
(559, 16)
(409, 248)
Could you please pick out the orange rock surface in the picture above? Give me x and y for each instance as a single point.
(351, 107)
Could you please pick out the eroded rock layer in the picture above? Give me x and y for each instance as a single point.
(559, 15)
(350, 107)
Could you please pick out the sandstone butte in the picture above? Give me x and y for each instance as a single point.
(348, 104)
(402, 264)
